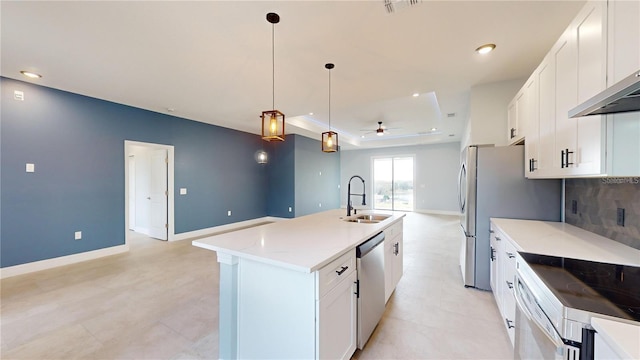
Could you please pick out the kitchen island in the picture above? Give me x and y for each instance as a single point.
(287, 289)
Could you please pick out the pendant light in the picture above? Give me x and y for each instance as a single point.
(329, 138)
(273, 120)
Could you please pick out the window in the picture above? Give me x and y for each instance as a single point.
(393, 183)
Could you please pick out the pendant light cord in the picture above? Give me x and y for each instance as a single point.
(273, 68)
(329, 99)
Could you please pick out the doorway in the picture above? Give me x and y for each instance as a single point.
(148, 201)
(393, 179)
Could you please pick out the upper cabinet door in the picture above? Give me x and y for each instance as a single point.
(623, 39)
(590, 35)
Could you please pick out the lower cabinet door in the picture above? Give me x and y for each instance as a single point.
(337, 326)
(398, 263)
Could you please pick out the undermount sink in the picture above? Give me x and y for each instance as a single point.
(367, 218)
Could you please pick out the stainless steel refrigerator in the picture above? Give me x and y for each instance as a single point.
(492, 184)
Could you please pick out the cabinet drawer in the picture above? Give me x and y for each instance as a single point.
(393, 230)
(331, 275)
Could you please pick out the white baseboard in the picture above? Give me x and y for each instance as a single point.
(223, 228)
(438, 212)
(60, 261)
(95, 254)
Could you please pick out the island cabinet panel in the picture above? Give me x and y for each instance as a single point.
(288, 314)
(393, 258)
(337, 321)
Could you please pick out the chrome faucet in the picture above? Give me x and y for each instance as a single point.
(349, 195)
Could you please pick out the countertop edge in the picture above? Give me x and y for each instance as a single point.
(619, 336)
(383, 225)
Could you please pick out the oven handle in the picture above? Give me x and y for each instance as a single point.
(527, 313)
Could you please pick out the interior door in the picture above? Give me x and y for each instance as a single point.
(158, 195)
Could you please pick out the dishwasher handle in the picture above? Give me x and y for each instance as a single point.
(367, 246)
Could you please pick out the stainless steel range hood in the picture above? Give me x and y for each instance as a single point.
(624, 96)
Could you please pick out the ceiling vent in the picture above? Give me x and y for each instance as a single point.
(394, 5)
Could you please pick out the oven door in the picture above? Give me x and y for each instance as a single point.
(535, 337)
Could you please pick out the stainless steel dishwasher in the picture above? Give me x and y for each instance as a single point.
(370, 265)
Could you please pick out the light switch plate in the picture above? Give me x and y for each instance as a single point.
(78, 235)
(31, 167)
(183, 191)
(18, 95)
(229, 213)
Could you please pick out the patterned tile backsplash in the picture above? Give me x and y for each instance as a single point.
(596, 203)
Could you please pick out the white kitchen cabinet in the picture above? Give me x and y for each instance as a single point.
(623, 39)
(291, 314)
(543, 163)
(495, 274)
(393, 258)
(508, 263)
(600, 47)
(519, 114)
(503, 272)
(580, 63)
(531, 127)
(337, 320)
(514, 113)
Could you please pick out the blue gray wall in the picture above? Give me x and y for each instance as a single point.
(317, 177)
(281, 172)
(77, 146)
(302, 177)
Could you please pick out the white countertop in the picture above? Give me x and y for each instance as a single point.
(564, 240)
(304, 244)
(623, 338)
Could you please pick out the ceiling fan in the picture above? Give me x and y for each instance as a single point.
(380, 131)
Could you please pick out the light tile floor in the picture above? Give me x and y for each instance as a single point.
(160, 301)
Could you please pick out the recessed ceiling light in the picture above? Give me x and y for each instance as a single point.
(30, 74)
(434, 129)
(310, 113)
(485, 49)
(416, 94)
(170, 109)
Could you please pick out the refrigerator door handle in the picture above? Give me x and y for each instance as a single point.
(461, 180)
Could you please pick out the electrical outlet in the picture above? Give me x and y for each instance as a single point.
(229, 213)
(77, 235)
(620, 217)
(290, 209)
(574, 207)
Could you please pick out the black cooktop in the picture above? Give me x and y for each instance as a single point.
(602, 288)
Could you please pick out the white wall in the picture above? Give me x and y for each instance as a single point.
(436, 174)
(142, 190)
(488, 103)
